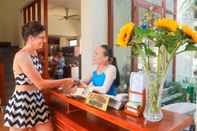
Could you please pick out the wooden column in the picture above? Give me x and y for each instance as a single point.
(134, 18)
(29, 13)
(163, 8)
(46, 44)
(24, 16)
(174, 59)
(110, 23)
(39, 10)
(2, 85)
(33, 12)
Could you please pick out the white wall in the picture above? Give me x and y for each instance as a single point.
(184, 61)
(10, 19)
(122, 15)
(62, 27)
(93, 30)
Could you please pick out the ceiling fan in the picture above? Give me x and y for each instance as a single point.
(69, 16)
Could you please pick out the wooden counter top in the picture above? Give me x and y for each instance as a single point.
(170, 122)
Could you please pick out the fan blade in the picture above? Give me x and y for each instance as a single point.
(73, 16)
(58, 15)
(78, 19)
(61, 18)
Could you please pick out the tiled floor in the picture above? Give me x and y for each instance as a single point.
(2, 128)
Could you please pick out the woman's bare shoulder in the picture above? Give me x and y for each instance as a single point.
(21, 54)
(17, 58)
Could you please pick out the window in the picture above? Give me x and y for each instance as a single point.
(73, 42)
(195, 13)
(195, 28)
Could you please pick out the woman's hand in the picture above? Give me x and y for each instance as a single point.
(69, 83)
(83, 85)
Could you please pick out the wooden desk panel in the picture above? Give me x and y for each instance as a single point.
(170, 122)
(2, 85)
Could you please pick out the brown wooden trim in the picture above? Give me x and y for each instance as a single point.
(134, 11)
(163, 6)
(5, 44)
(104, 115)
(147, 5)
(110, 23)
(134, 63)
(24, 16)
(29, 13)
(46, 44)
(137, 93)
(134, 18)
(33, 12)
(39, 10)
(2, 85)
(30, 3)
(174, 59)
(175, 9)
(170, 122)
(62, 122)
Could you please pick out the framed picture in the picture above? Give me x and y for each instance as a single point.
(98, 100)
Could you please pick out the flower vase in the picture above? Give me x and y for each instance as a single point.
(154, 88)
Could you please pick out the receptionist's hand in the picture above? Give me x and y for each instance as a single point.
(69, 83)
(70, 86)
(83, 85)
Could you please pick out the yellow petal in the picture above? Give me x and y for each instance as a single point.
(125, 34)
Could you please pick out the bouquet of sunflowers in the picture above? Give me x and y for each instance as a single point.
(165, 39)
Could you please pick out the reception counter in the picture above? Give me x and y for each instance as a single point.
(71, 114)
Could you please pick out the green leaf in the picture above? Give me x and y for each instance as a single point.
(135, 48)
(170, 41)
(158, 43)
(191, 47)
(148, 51)
(152, 33)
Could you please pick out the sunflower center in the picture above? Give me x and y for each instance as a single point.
(125, 37)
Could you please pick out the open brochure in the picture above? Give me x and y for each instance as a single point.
(81, 92)
(118, 101)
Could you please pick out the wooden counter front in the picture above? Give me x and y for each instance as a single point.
(115, 120)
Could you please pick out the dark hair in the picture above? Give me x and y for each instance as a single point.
(112, 60)
(32, 28)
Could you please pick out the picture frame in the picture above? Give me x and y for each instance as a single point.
(99, 101)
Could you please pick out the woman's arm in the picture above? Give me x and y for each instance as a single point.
(110, 76)
(25, 64)
(88, 79)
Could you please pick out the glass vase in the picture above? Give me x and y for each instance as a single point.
(154, 88)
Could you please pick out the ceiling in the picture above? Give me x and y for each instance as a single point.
(73, 4)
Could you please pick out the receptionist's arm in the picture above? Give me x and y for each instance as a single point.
(110, 76)
(86, 82)
(88, 79)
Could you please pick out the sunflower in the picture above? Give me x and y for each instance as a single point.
(187, 30)
(190, 33)
(125, 34)
(194, 37)
(166, 23)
